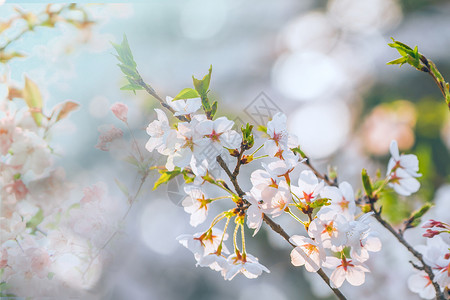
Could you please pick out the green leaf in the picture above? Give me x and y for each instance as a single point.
(213, 110)
(320, 202)
(186, 93)
(166, 176)
(50, 275)
(367, 183)
(131, 87)
(299, 151)
(202, 86)
(122, 187)
(399, 61)
(416, 215)
(4, 286)
(187, 178)
(36, 220)
(33, 99)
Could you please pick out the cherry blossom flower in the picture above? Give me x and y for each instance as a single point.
(279, 137)
(160, 134)
(247, 265)
(436, 255)
(187, 143)
(40, 261)
(7, 130)
(184, 107)
(345, 269)
(307, 252)
(219, 133)
(329, 228)
(196, 204)
(254, 214)
(31, 152)
(120, 110)
(17, 189)
(407, 162)
(342, 199)
(402, 171)
(361, 239)
(272, 195)
(11, 227)
(202, 244)
(108, 134)
(214, 261)
(309, 187)
(421, 284)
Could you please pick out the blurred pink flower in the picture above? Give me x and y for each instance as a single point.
(108, 133)
(120, 110)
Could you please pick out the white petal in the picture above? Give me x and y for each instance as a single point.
(394, 150)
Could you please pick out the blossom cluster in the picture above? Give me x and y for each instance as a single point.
(338, 235)
(50, 242)
(436, 254)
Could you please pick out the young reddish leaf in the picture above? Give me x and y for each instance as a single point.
(66, 108)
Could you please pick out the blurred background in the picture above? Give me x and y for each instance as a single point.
(323, 63)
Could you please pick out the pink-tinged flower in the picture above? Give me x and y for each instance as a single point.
(7, 129)
(284, 164)
(407, 162)
(31, 152)
(279, 137)
(17, 189)
(329, 228)
(436, 255)
(345, 269)
(421, 284)
(307, 252)
(402, 171)
(214, 261)
(40, 261)
(309, 187)
(196, 204)
(272, 194)
(3, 258)
(10, 228)
(247, 265)
(161, 135)
(184, 107)
(218, 133)
(255, 214)
(361, 239)
(403, 183)
(342, 199)
(120, 110)
(202, 244)
(94, 193)
(108, 134)
(187, 143)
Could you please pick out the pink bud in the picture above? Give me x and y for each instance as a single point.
(447, 256)
(120, 110)
(433, 223)
(431, 233)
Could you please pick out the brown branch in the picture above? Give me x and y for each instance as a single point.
(272, 224)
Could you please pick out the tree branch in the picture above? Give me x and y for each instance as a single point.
(272, 224)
